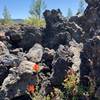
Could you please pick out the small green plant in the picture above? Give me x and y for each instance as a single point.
(70, 81)
(35, 22)
(80, 90)
(36, 18)
(70, 85)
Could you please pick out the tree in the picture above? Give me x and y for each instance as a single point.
(35, 18)
(37, 8)
(69, 13)
(6, 16)
(81, 6)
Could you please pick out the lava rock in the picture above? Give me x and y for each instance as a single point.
(59, 70)
(48, 56)
(90, 20)
(14, 37)
(2, 36)
(35, 53)
(97, 94)
(3, 73)
(7, 62)
(76, 49)
(3, 49)
(31, 36)
(16, 82)
(60, 65)
(59, 31)
(92, 2)
(23, 97)
(90, 60)
(46, 88)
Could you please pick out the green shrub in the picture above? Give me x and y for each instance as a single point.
(35, 22)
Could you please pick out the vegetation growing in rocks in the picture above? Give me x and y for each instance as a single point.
(51, 57)
(36, 11)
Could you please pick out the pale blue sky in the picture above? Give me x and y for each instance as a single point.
(20, 8)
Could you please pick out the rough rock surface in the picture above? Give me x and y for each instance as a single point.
(24, 37)
(61, 45)
(90, 57)
(59, 31)
(48, 56)
(7, 62)
(2, 35)
(3, 49)
(97, 94)
(16, 82)
(76, 48)
(35, 53)
(31, 36)
(60, 65)
(92, 2)
(90, 20)
(59, 70)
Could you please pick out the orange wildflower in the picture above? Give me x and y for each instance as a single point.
(36, 68)
(31, 88)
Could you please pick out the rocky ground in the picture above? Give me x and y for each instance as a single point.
(58, 62)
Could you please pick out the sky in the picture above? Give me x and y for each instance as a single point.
(19, 9)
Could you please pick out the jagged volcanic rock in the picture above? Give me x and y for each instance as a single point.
(16, 82)
(90, 56)
(23, 37)
(90, 20)
(31, 36)
(59, 30)
(35, 53)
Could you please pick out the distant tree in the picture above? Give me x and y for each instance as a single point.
(35, 18)
(37, 8)
(81, 6)
(69, 13)
(35, 21)
(6, 16)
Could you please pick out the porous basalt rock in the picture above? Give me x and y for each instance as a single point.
(3, 49)
(35, 53)
(90, 20)
(59, 30)
(90, 58)
(31, 36)
(16, 82)
(23, 37)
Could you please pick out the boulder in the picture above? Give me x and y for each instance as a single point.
(59, 70)
(76, 49)
(90, 60)
(48, 56)
(31, 36)
(59, 30)
(23, 36)
(14, 35)
(3, 49)
(3, 73)
(2, 36)
(90, 20)
(35, 53)
(61, 62)
(16, 82)
(7, 62)
(60, 65)
(92, 2)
